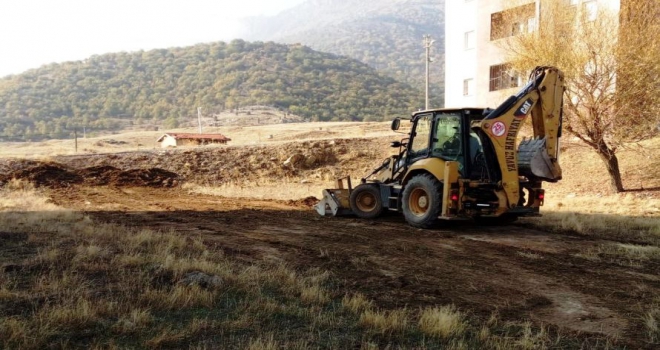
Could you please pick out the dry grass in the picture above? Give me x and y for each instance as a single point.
(135, 321)
(261, 343)
(582, 202)
(444, 321)
(283, 189)
(652, 322)
(637, 252)
(531, 338)
(529, 255)
(18, 195)
(385, 321)
(356, 303)
(625, 204)
(620, 217)
(630, 223)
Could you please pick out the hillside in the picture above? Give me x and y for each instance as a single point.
(111, 91)
(386, 34)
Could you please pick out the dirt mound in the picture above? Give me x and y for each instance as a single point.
(305, 202)
(98, 175)
(10, 165)
(153, 177)
(110, 142)
(309, 161)
(55, 175)
(49, 175)
(109, 175)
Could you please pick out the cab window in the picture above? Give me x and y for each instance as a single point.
(447, 141)
(422, 134)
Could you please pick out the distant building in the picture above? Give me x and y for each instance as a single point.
(476, 71)
(187, 139)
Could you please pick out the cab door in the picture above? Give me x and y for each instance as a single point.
(448, 140)
(420, 137)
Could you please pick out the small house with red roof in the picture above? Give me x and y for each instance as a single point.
(189, 139)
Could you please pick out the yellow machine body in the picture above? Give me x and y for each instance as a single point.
(466, 163)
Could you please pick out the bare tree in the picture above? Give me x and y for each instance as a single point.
(611, 60)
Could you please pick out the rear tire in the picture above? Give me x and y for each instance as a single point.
(366, 202)
(422, 201)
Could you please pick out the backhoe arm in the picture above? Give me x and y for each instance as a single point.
(536, 158)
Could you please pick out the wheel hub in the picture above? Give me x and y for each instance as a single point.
(419, 202)
(366, 202)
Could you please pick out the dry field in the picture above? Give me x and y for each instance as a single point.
(241, 136)
(218, 248)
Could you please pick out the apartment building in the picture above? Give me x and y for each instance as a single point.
(476, 72)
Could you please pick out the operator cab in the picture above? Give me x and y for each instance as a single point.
(448, 134)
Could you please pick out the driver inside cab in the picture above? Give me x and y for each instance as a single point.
(448, 145)
(447, 138)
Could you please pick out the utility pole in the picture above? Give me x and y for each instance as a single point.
(428, 42)
(199, 118)
(75, 136)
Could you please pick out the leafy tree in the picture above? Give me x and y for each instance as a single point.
(171, 123)
(612, 70)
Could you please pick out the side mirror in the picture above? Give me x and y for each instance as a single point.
(395, 144)
(396, 123)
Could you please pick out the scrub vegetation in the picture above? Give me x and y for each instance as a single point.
(69, 281)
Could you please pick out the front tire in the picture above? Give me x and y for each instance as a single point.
(366, 201)
(422, 201)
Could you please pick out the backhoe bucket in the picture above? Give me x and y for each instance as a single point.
(335, 202)
(534, 161)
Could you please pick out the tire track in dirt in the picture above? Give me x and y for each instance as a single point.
(517, 272)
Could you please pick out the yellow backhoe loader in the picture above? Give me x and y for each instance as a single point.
(465, 163)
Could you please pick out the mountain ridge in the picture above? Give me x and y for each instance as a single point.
(385, 34)
(165, 86)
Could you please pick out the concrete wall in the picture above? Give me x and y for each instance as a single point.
(463, 16)
(460, 62)
(168, 141)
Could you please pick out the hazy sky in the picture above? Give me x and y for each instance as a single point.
(37, 32)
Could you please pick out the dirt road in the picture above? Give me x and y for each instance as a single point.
(514, 271)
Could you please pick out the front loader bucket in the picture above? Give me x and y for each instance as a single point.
(335, 202)
(534, 161)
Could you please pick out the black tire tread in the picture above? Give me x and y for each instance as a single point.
(434, 188)
(378, 211)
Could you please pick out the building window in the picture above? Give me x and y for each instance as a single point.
(531, 24)
(469, 40)
(517, 28)
(468, 87)
(503, 77)
(591, 8)
(496, 26)
(512, 22)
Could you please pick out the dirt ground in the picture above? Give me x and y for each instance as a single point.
(515, 271)
(518, 272)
